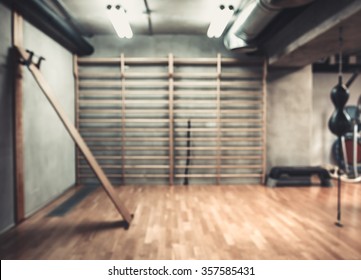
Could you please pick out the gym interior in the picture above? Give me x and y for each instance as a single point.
(167, 143)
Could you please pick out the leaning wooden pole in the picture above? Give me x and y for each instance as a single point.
(109, 189)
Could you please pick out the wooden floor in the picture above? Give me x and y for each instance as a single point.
(197, 222)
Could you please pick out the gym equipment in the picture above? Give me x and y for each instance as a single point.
(350, 157)
(26, 59)
(339, 122)
(280, 176)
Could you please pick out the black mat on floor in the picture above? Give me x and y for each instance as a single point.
(72, 201)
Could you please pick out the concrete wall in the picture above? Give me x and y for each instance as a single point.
(322, 138)
(6, 125)
(158, 46)
(289, 117)
(49, 151)
(49, 159)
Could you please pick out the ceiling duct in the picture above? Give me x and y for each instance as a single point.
(253, 18)
(44, 18)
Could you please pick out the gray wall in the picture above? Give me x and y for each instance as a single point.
(322, 138)
(158, 46)
(49, 159)
(48, 151)
(6, 125)
(289, 117)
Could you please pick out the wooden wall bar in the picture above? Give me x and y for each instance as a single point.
(134, 113)
(17, 40)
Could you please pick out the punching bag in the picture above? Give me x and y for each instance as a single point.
(340, 121)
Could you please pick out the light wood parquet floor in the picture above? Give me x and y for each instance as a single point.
(196, 222)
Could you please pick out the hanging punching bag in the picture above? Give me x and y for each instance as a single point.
(340, 121)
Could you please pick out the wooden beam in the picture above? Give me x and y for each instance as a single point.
(264, 124)
(171, 118)
(17, 40)
(39, 78)
(122, 76)
(77, 117)
(286, 48)
(218, 101)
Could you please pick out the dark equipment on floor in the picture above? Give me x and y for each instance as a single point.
(280, 176)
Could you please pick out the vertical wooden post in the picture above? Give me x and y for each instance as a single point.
(264, 122)
(218, 159)
(122, 75)
(171, 119)
(76, 105)
(17, 40)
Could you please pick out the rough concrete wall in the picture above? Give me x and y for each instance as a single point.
(322, 138)
(6, 125)
(49, 151)
(289, 109)
(158, 46)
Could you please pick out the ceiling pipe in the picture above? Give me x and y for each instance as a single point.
(253, 18)
(43, 17)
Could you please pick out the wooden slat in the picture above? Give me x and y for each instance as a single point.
(133, 139)
(128, 60)
(194, 101)
(241, 111)
(250, 175)
(247, 84)
(218, 160)
(122, 76)
(197, 75)
(77, 138)
(196, 175)
(241, 166)
(115, 166)
(116, 129)
(146, 157)
(17, 40)
(239, 157)
(196, 157)
(193, 92)
(103, 75)
(212, 148)
(195, 84)
(264, 126)
(108, 120)
(193, 111)
(222, 139)
(77, 114)
(194, 166)
(147, 176)
(104, 92)
(171, 118)
(237, 93)
(195, 61)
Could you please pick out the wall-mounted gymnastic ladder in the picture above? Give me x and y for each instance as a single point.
(133, 113)
(26, 58)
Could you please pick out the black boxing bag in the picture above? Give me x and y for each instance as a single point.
(340, 121)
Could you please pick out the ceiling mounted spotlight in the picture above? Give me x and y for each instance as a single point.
(118, 17)
(220, 20)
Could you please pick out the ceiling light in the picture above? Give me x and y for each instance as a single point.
(119, 20)
(220, 20)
